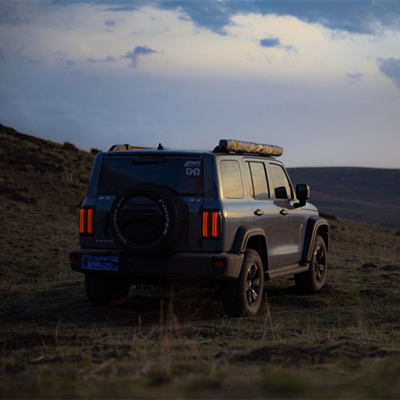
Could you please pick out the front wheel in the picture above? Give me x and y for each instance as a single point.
(103, 290)
(243, 296)
(314, 279)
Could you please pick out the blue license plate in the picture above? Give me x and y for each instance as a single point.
(99, 263)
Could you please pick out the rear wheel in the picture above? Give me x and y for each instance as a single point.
(314, 279)
(103, 290)
(243, 296)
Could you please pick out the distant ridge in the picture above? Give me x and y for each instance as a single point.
(367, 195)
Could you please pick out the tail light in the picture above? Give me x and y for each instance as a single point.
(86, 221)
(211, 228)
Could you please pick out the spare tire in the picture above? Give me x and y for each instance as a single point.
(146, 219)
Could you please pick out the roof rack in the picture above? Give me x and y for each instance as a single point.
(122, 147)
(237, 146)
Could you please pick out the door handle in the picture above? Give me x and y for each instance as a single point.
(284, 211)
(259, 212)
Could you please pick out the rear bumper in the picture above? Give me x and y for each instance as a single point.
(223, 266)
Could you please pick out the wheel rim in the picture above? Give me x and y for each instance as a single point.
(319, 263)
(253, 284)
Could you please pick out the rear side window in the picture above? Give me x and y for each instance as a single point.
(258, 181)
(183, 175)
(232, 183)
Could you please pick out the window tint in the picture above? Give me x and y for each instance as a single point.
(280, 182)
(232, 183)
(183, 175)
(259, 186)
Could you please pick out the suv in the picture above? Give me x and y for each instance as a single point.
(227, 217)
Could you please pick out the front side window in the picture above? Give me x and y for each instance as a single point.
(232, 183)
(281, 183)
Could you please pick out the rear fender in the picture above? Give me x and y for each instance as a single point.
(253, 238)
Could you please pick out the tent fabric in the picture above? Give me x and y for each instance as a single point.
(226, 145)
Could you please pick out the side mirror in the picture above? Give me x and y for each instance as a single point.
(302, 194)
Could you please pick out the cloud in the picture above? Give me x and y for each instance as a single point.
(138, 51)
(354, 78)
(361, 16)
(109, 22)
(123, 7)
(390, 67)
(64, 59)
(107, 59)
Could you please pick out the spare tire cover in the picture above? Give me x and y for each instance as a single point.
(146, 219)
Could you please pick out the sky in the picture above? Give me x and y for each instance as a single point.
(319, 78)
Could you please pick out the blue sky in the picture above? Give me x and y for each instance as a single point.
(319, 78)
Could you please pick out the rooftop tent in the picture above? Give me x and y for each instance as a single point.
(237, 146)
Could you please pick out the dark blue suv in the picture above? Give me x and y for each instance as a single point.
(227, 217)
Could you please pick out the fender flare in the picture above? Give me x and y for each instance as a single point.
(314, 223)
(243, 234)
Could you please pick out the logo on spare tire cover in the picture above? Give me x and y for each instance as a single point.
(115, 220)
(166, 214)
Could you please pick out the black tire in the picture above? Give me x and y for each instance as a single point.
(147, 219)
(314, 279)
(103, 290)
(243, 296)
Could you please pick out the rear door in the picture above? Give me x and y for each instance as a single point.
(181, 173)
(266, 214)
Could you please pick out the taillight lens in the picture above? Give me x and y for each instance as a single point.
(211, 228)
(86, 221)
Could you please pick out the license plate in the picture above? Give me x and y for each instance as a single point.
(99, 263)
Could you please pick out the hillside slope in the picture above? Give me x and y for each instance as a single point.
(366, 195)
(41, 187)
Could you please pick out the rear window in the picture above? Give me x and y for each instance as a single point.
(183, 175)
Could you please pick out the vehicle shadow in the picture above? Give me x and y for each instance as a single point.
(66, 303)
(145, 306)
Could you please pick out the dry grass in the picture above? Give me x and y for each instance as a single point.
(343, 342)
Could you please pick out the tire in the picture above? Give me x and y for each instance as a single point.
(103, 290)
(314, 279)
(243, 296)
(147, 219)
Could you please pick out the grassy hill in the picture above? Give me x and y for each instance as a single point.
(41, 187)
(342, 342)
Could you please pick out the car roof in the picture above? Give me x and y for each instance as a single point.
(225, 147)
(183, 154)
